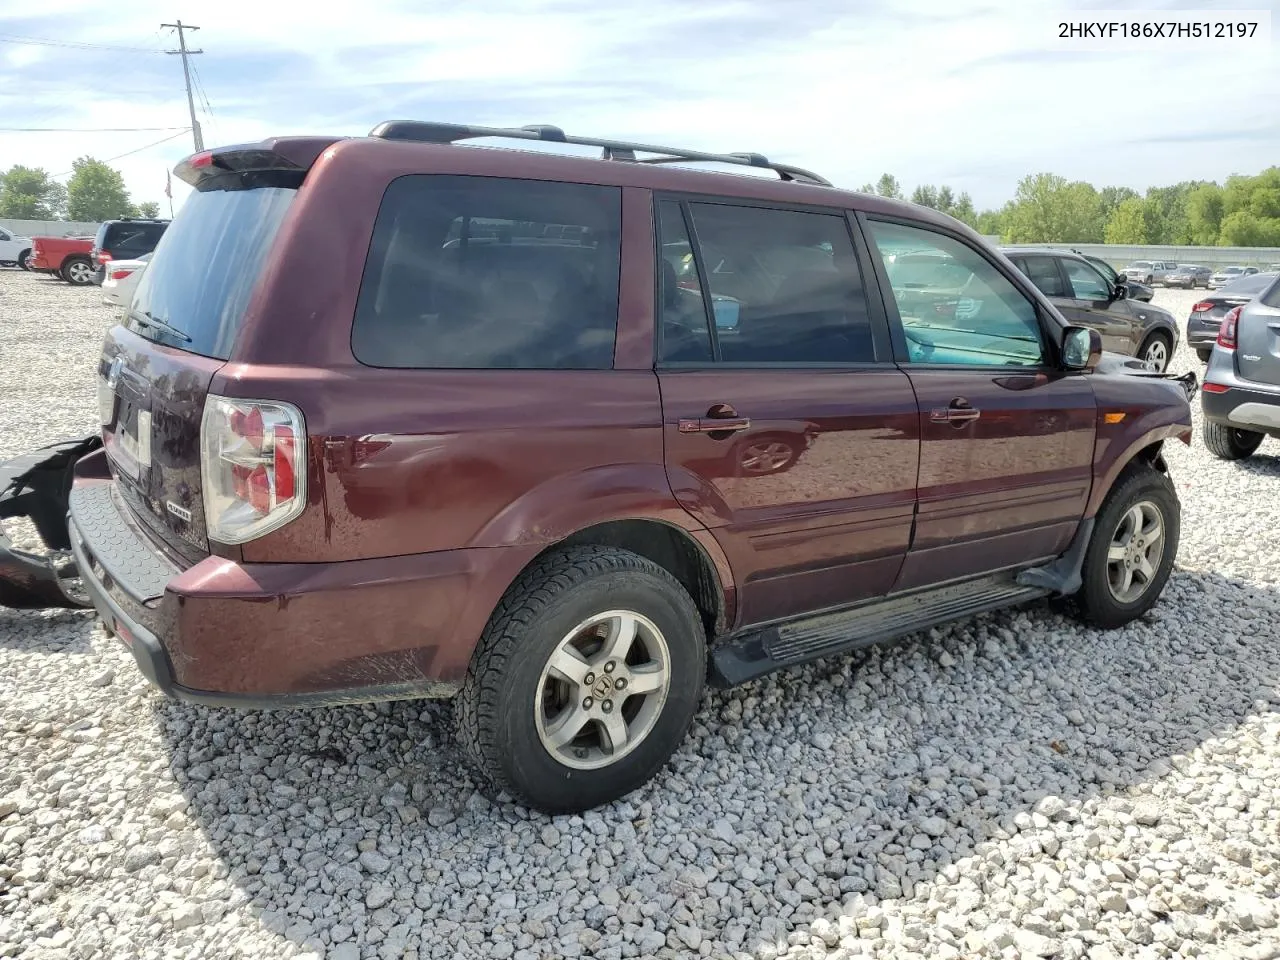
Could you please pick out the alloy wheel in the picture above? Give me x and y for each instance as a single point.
(1135, 552)
(602, 690)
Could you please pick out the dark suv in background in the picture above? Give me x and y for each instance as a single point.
(564, 438)
(1085, 296)
(125, 239)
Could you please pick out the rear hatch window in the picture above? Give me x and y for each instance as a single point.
(177, 333)
(128, 241)
(194, 293)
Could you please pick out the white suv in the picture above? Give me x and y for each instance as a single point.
(14, 250)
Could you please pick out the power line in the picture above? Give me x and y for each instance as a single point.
(186, 73)
(72, 44)
(204, 98)
(128, 153)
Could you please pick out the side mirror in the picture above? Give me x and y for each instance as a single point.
(1121, 291)
(1081, 348)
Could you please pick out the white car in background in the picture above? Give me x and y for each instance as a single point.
(121, 280)
(14, 250)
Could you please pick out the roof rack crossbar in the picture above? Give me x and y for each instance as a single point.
(422, 131)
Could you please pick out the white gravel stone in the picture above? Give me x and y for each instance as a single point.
(1004, 786)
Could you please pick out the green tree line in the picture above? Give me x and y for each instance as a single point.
(1047, 208)
(94, 192)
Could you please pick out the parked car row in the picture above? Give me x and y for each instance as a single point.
(112, 258)
(1188, 276)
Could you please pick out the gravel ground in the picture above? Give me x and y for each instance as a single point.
(1012, 786)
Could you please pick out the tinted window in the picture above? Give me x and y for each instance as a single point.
(1043, 272)
(483, 273)
(1086, 282)
(785, 286)
(131, 237)
(207, 265)
(963, 311)
(686, 336)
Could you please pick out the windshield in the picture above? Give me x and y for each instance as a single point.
(194, 293)
(1140, 265)
(1232, 270)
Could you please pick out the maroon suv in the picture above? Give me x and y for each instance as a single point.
(565, 438)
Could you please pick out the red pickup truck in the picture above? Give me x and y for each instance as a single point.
(66, 257)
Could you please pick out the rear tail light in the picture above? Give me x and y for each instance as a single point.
(120, 274)
(1227, 332)
(252, 467)
(1204, 306)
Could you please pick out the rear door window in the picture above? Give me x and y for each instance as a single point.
(1044, 273)
(784, 285)
(488, 273)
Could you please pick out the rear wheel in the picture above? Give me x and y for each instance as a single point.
(1131, 553)
(585, 681)
(1228, 443)
(1155, 350)
(77, 272)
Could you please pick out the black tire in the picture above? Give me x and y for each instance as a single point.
(495, 710)
(77, 271)
(1162, 338)
(23, 257)
(1095, 603)
(1204, 355)
(1228, 443)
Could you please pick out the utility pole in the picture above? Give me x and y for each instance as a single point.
(183, 52)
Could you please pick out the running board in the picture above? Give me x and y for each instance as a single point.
(752, 655)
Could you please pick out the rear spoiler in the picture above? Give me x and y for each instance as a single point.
(281, 161)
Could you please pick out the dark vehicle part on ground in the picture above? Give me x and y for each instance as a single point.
(36, 486)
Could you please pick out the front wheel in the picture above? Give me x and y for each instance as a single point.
(1131, 553)
(1228, 443)
(1204, 355)
(585, 681)
(1155, 350)
(23, 259)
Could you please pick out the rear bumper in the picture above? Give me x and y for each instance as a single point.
(222, 633)
(1200, 334)
(1244, 405)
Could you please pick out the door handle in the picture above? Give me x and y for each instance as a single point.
(959, 411)
(721, 418)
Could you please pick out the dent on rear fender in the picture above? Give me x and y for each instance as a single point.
(561, 506)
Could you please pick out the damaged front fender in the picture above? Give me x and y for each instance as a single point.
(36, 485)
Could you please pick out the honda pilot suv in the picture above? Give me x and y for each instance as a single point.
(567, 438)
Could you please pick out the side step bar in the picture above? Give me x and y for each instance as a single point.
(754, 654)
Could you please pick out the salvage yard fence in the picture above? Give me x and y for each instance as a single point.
(50, 228)
(1121, 255)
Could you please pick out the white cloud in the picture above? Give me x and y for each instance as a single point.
(973, 95)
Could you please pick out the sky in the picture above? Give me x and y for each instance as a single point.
(971, 94)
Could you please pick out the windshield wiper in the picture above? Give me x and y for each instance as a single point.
(147, 320)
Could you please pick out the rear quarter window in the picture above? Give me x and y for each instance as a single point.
(489, 273)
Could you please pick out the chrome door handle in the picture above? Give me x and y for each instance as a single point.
(715, 425)
(959, 411)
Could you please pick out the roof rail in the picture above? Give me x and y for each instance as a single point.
(422, 131)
